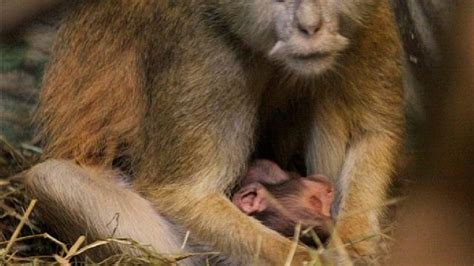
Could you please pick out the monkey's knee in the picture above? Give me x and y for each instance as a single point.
(55, 180)
(77, 200)
(56, 184)
(42, 180)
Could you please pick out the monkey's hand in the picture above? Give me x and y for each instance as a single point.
(367, 172)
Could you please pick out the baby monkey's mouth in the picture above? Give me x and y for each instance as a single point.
(315, 241)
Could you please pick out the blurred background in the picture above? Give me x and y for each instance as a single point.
(434, 225)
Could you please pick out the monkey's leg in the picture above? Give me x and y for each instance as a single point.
(78, 201)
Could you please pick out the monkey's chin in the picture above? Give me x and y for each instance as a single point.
(311, 65)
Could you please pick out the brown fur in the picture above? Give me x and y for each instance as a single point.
(183, 98)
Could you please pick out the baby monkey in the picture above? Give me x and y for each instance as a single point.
(281, 200)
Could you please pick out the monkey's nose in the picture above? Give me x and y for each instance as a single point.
(308, 17)
(308, 29)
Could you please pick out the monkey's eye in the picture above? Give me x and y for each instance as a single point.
(279, 1)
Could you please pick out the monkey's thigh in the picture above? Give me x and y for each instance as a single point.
(75, 201)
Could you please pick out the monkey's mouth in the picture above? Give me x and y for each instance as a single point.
(311, 56)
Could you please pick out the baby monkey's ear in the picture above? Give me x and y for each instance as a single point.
(251, 198)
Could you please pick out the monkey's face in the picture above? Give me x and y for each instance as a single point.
(308, 36)
(305, 36)
(305, 200)
(280, 199)
(309, 204)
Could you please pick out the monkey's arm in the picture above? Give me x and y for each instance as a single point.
(376, 130)
(358, 131)
(214, 220)
(365, 178)
(361, 163)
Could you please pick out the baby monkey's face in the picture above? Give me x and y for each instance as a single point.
(281, 200)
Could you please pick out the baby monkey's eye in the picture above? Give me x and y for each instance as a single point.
(279, 1)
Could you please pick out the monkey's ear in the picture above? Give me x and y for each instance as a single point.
(252, 198)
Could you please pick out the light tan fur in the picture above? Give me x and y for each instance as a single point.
(98, 203)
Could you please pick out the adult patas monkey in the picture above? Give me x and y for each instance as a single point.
(180, 94)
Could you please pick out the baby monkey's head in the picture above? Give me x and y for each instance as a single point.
(281, 200)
